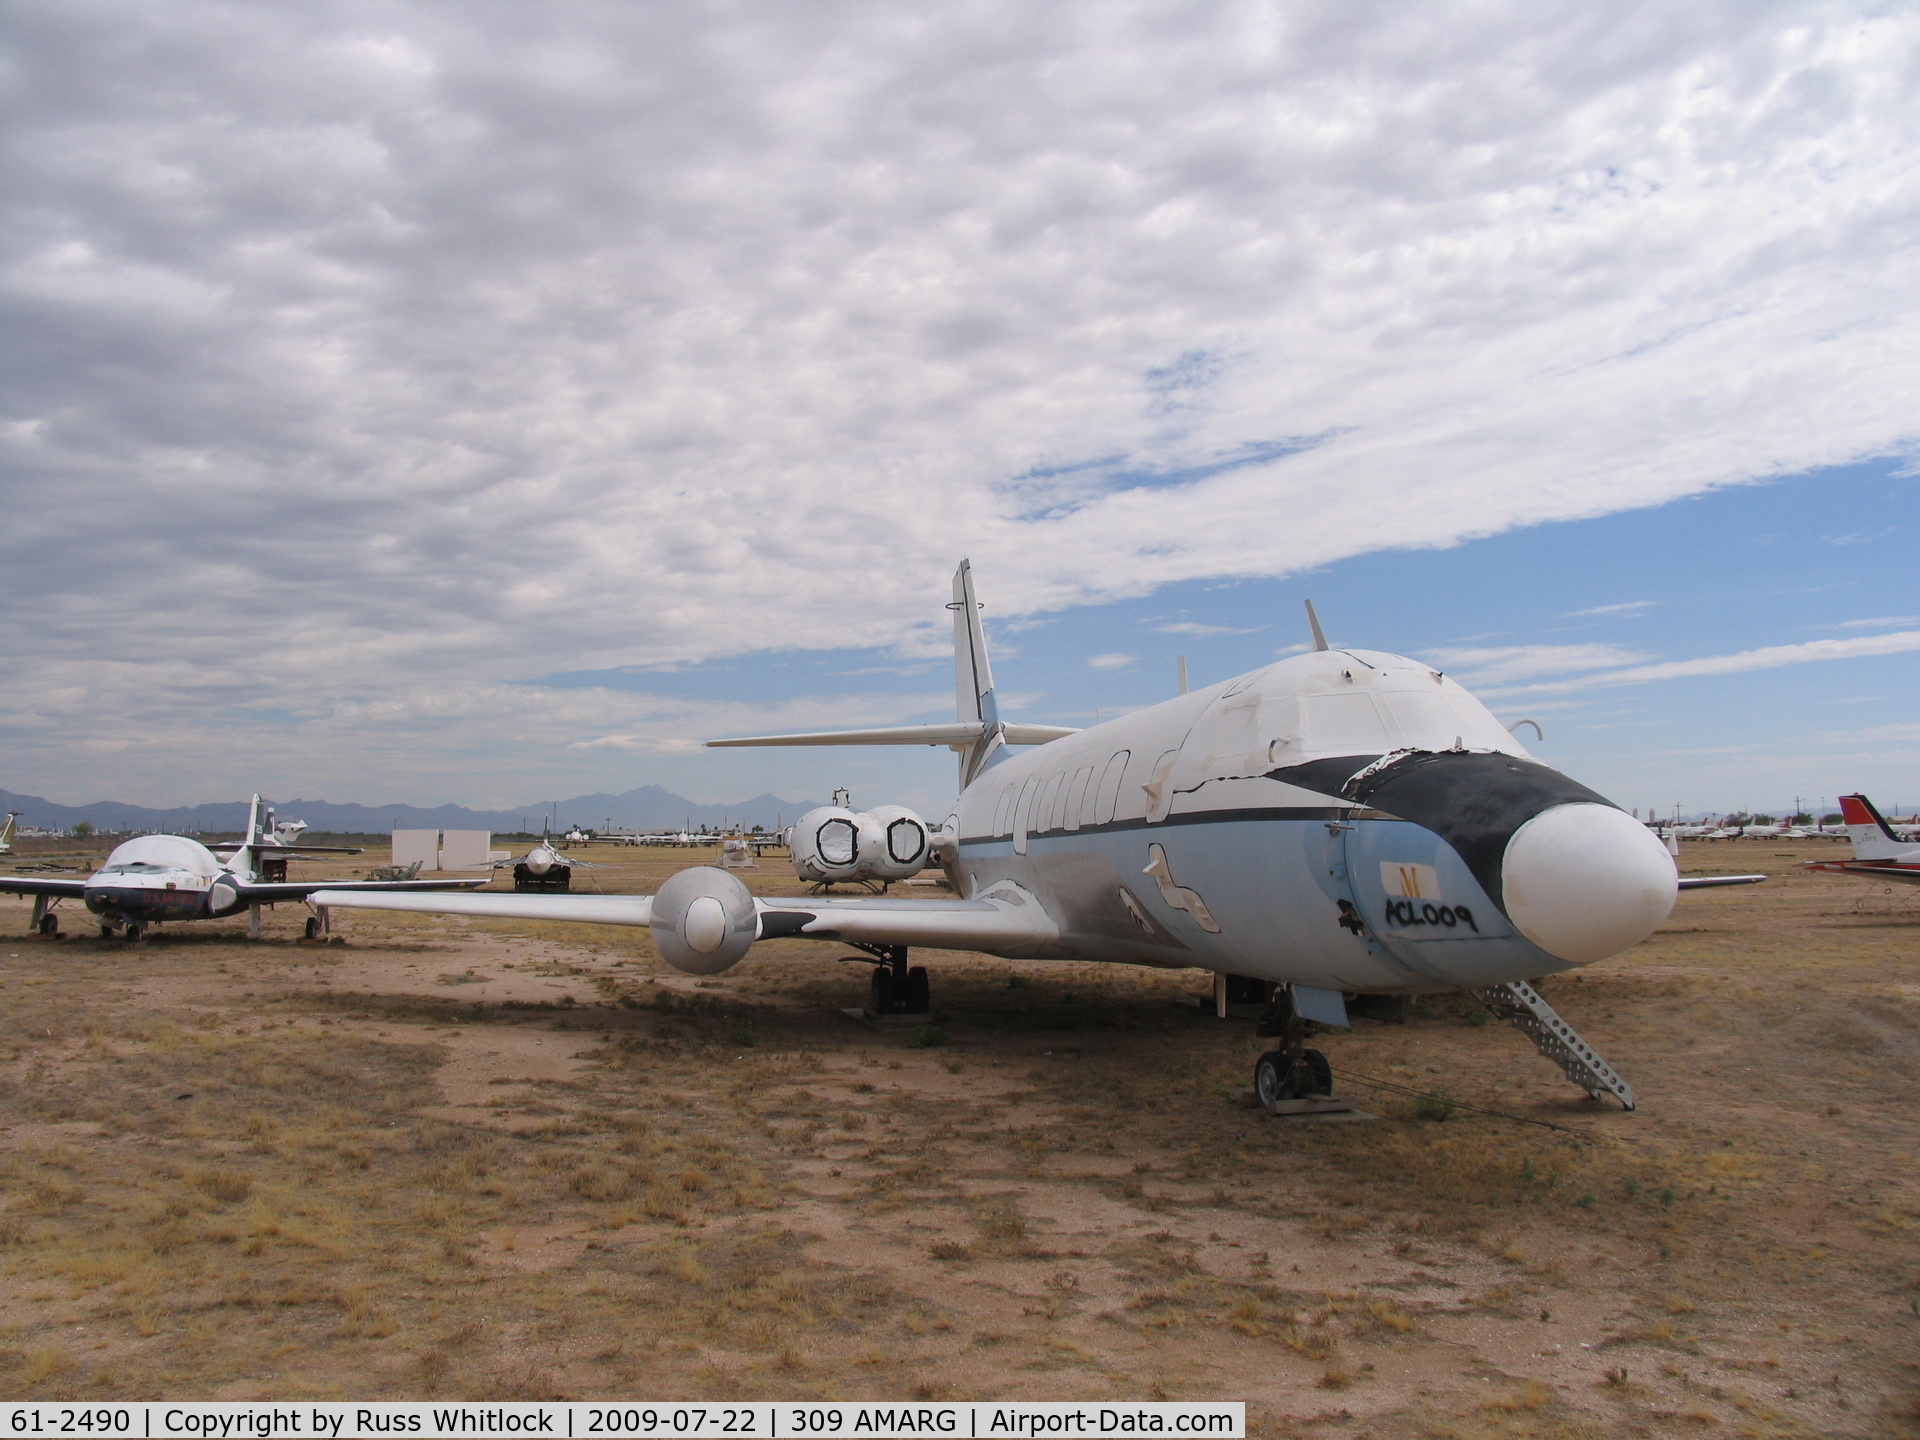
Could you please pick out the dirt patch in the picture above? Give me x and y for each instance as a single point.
(479, 1158)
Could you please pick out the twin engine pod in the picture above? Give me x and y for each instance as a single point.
(830, 844)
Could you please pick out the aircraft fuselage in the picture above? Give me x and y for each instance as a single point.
(160, 877)
(1238, 829)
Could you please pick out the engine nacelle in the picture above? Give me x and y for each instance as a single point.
(834, 844)
(704, 920)
(893, 842)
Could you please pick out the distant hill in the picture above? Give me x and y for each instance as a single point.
(648, 808)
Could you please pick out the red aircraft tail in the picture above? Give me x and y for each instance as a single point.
(1873, 838)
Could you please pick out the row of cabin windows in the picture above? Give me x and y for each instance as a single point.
(1087, 796)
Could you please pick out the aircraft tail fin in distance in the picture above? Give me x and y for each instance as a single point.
(1872, 837)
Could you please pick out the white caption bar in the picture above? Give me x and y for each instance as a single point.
(758, 1420)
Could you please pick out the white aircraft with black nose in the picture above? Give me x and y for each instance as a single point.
(155, 878)
(1343, 823)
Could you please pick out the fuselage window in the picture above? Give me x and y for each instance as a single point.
(1057, 812)
(1043, 804)
(1077, 797)
(1109, 792)
(1022, 809)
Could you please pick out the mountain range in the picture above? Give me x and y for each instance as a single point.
(648, 808)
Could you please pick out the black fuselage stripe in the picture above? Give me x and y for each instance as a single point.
(1252, 815)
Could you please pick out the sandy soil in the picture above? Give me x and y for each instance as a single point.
(488, 1158)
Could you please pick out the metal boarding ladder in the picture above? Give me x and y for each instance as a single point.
(1520, 1005)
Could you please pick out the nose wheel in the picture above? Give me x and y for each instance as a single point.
(1284, 1075)
(1289, 1071)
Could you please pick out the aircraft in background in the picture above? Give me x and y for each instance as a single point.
(1879, 851)
(6, 832)
(1340, 823)
(155, 878)
(543, 867)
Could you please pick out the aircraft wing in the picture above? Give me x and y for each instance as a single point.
(30, 885)
(272, 891)
(1714, 882)
(1002, 919)
(498, 905)
(953, 732)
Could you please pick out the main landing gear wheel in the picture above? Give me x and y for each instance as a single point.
(136, 932)
(313, 927)
(49, 926)
(896, 988)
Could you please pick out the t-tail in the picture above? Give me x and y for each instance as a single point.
(973, 701)
(1872, 837)
(977, 731)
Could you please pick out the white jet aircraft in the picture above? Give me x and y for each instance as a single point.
(1340, 823)
(6, 832)
(155, 878)
(1879, 851)
(544, 867)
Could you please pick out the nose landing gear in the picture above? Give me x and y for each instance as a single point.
(1291, 1071)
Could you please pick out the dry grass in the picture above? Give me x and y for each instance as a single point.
(573, 1172)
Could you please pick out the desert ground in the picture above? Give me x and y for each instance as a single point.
(507, 1159)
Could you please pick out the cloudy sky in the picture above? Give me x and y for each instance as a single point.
(483, 402)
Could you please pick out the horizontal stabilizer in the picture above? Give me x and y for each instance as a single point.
(952, 732)
(287, 852)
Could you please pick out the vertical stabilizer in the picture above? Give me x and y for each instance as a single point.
(972, 675)
(1313, 624)
(244, 861)
(1872, 837)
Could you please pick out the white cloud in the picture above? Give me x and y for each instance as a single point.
(386, 356)
(1879, 623)
(1111, 662)
(1766, 658)
(1195, 627)
(1499, 664)
(1627, 608)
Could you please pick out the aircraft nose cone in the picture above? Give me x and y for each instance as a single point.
(1585, 881)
